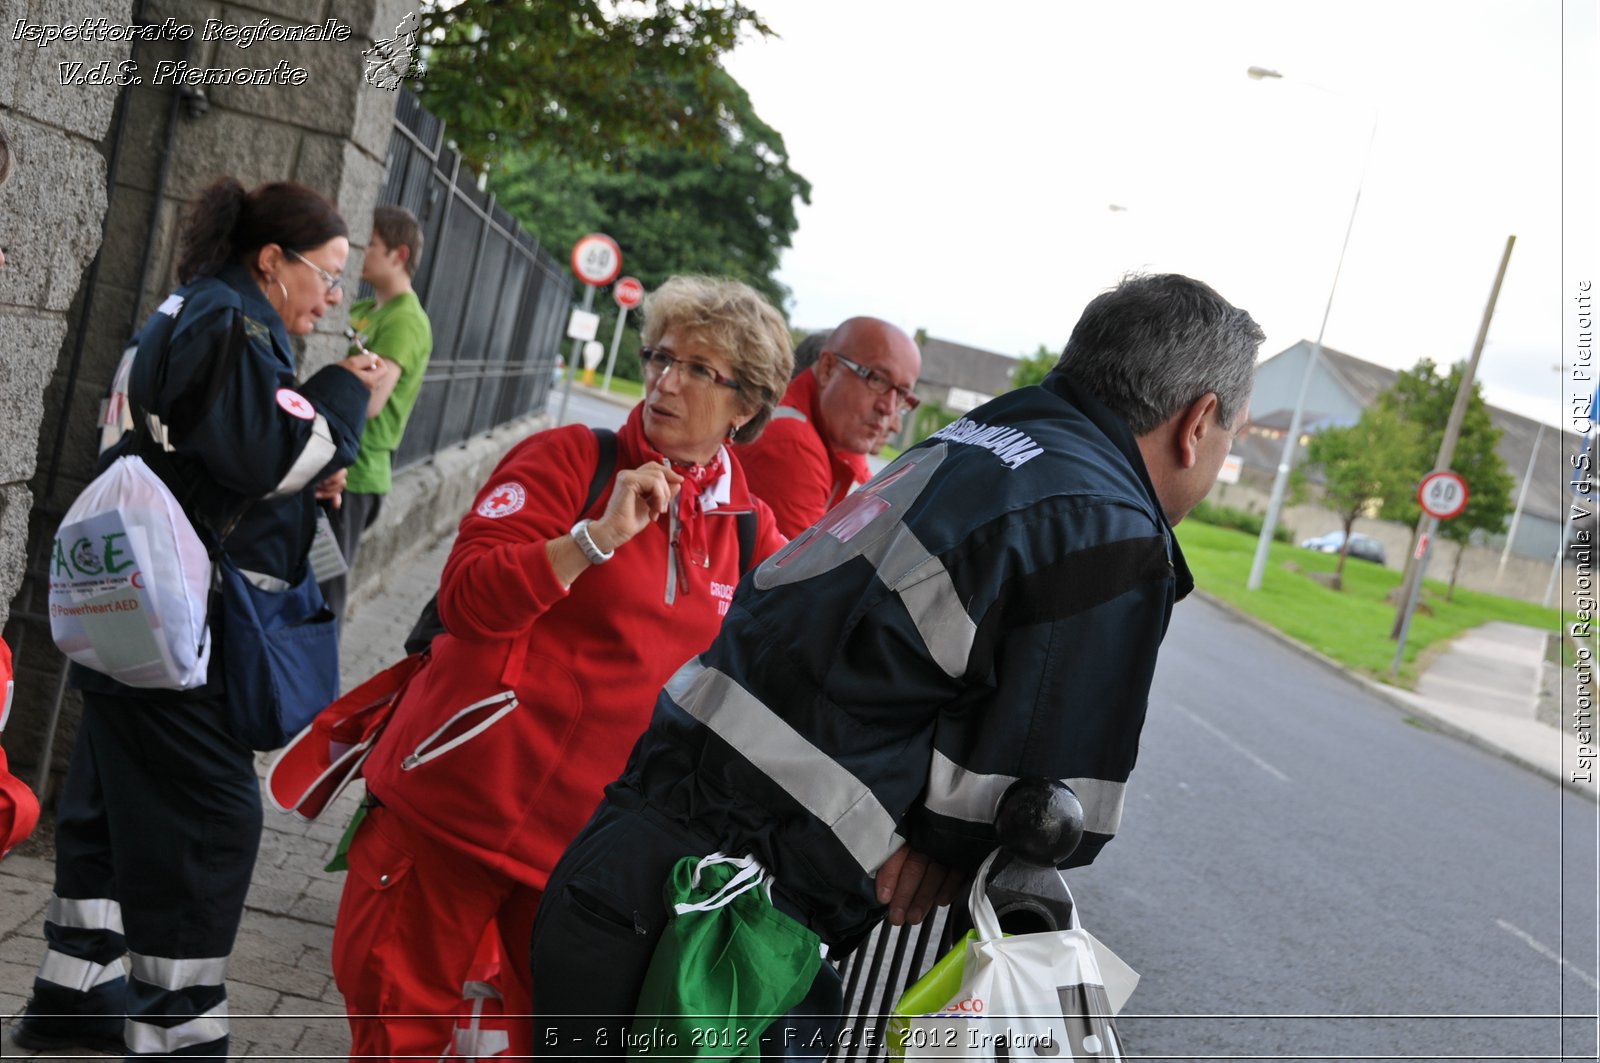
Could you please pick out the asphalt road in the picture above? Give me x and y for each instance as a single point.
(1303, 871)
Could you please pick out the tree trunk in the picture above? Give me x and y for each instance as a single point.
(1461, 552)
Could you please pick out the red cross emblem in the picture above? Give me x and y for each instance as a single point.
(504, 500)
(295, 404)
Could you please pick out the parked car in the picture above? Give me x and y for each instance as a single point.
(1363, 546)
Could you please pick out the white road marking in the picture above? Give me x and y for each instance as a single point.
(1241, 750)
(1544, 950)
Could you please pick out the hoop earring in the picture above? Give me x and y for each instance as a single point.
(282, 289)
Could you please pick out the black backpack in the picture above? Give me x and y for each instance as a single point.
(428, 624)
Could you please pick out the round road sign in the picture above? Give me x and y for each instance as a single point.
(1442, 494)
(596, 259)
(628, 293)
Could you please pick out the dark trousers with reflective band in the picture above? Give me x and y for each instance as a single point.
(597, 928)
(156, 837)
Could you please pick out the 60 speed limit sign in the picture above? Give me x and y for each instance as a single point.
(596, 259)
(1442, 494)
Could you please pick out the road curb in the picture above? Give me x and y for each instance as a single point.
(1388, 694)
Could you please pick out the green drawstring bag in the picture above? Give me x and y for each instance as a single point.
(727, 965)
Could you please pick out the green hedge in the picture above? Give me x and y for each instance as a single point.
(1237, 519)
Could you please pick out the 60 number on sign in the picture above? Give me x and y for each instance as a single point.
(1442, 494)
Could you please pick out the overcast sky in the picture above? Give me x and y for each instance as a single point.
(964, 162)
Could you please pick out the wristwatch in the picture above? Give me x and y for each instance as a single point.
(580, 535)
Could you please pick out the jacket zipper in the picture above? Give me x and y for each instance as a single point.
(506, 700)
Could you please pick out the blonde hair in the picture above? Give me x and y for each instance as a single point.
(735, 321)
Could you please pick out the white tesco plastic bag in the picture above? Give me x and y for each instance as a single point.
(129, 582)
(1053, 994)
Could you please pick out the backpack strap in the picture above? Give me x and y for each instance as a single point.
(747, 539)
(429, 626)
(604, 467)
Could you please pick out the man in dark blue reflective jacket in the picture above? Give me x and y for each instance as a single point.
(988, 608)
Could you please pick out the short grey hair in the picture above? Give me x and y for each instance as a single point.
(1157, 342)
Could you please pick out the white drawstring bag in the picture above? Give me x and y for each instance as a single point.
(129, 582)
(1051, 994)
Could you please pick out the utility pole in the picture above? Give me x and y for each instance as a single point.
(1411, 587)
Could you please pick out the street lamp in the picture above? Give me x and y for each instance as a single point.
(1280, 483)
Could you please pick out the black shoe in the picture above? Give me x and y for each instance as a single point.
(35, 1040)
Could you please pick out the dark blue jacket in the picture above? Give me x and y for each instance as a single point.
(988, 608)
(214, 375)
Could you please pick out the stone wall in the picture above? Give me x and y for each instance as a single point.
(165, 141)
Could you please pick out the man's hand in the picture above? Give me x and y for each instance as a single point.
(913, 885)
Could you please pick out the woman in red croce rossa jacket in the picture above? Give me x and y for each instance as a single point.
(563, 622)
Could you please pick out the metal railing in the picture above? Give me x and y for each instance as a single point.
(498, 302)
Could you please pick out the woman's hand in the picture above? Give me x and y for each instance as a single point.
(368, 368)
(332, 489)
(638, 497)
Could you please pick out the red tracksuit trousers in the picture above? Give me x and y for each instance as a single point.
(425, 941)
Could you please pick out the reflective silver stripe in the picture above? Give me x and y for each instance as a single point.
(826, 789)
(95, 913)
(80, 976)
(923, 584)
(178, 974)
(973, 796)
(147, 1039)
(787, 413)
(318, 451)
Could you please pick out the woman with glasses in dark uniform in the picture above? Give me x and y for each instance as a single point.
(563, 620)
(160, 817)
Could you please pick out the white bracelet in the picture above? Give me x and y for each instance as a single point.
(580, 535)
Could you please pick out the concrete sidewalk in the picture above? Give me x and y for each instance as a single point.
(1484, 688)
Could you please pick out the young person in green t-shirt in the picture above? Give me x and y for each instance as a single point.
(394, 326)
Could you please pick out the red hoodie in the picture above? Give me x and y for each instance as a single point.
(503, 743)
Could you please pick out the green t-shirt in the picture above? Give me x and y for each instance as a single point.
(399, 331)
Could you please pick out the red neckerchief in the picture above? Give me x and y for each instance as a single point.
(691, 547)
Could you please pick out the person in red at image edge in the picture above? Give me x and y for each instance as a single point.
(833, 415)
(562, 626)
(19, 809)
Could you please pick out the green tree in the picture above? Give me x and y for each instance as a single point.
(1360, 463)
(581, 79)
(1032, 369)
(1423, 397)
(671, 209)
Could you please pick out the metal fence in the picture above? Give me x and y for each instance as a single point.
(498, 302)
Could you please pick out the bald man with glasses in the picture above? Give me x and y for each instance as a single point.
(833, 415)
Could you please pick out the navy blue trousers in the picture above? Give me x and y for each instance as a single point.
(156, 837)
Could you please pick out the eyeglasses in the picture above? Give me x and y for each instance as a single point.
(880, 384)
(332, 280)
(657, 362)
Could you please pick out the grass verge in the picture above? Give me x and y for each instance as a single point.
(1351, 625)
